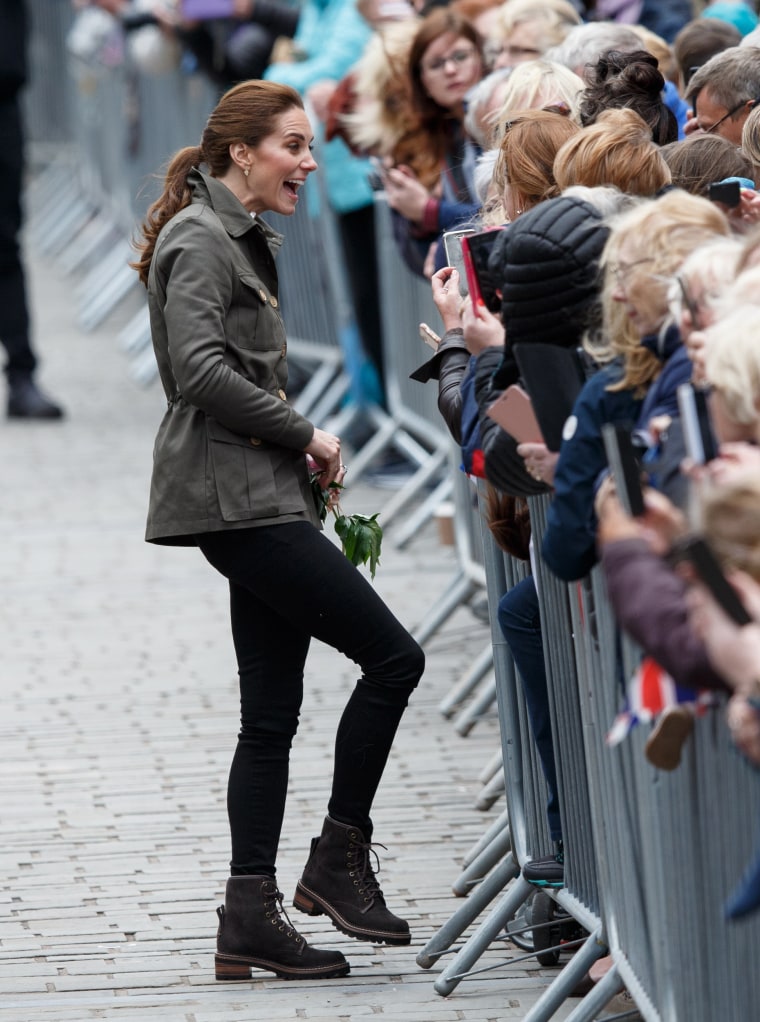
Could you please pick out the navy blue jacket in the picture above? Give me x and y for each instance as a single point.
(569, 544)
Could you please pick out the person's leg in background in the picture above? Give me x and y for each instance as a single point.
(520, 623)
(25, 399)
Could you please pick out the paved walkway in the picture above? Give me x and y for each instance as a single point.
(118, 686)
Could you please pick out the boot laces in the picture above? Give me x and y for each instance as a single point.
(365, 871)
(275, 909)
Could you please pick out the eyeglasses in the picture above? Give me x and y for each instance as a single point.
(623, 270)
(735, 110)
(457, 58)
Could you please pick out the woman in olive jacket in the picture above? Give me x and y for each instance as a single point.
(230, 476)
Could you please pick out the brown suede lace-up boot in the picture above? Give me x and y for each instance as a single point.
(339, 881)
(254, 932)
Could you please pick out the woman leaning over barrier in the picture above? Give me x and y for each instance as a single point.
(231, 476)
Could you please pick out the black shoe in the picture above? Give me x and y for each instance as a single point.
(255, 933)
(339, 880)
(548, 871)
(27, 401)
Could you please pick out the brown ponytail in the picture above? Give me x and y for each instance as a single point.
(509, 521)
(247, 113)
(175, 196)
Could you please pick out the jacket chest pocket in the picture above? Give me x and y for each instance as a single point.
(258, 324)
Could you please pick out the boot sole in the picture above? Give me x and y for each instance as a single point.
(238, 967)
(310, 903)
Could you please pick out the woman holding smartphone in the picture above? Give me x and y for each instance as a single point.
(231, 475)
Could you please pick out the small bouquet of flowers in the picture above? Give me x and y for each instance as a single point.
(361, 536)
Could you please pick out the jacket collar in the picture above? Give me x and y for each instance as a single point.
(664, 343)
(235, 218)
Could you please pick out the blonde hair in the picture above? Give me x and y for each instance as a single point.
(711, 267)
(536, 84)
(616, 150)
(556, 18)
(526, 154)
(667, 229)
(732, 362)
(751, 140)
(730, 518)
(383, 112)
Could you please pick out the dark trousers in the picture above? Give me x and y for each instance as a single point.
(288, 583)
(521, 627)
(14, 316)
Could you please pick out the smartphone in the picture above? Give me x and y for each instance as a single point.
(727, 192)
(625, 467)
(482, 283)
(452, 243)
(698, 552)
(429, 336)
(513, 410)
(698, 434)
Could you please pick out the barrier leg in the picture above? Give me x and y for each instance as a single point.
(560, 988)
(482, 896)
(468, 683)
(423, 514)
(492, 767)
(490, 835)
(482, 864)
(595, 999)
(483, 701)
(461, 589)
(491, 791)
(485, 934)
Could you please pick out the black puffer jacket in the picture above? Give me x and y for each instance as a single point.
(549, 265)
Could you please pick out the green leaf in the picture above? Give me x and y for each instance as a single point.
(361, 537)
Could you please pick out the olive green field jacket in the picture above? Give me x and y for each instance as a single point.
(229, 449)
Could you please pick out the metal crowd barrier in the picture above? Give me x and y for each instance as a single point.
(650, 857)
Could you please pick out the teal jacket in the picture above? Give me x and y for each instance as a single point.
(331, 35)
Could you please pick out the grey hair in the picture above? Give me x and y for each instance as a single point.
(584, 44)
(732, 77)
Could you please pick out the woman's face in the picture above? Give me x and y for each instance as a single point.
(643, 293)
(523, 43)
(280, 164)
(449, 67)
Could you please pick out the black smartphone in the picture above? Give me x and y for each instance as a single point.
(483, 284)
(698, 552)
(698, 434)
(727, 192)
(625, 467)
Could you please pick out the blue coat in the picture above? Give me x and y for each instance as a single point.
(332, 35)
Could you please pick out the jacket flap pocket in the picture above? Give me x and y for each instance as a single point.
(216, 431)
(252, 283)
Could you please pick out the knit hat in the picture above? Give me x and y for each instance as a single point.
(549, 263)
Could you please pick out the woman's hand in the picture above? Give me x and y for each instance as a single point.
(734, 650)
(325, 451)
(540, 462)
(481, 328)
(743, 721)
(406, 193)
(445, 285)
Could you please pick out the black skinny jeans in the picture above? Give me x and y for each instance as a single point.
(288, 583)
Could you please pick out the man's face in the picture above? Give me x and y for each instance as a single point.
(716, 119)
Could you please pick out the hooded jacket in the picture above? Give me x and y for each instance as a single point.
(548, 262)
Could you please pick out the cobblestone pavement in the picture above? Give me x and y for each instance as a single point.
(118, 686)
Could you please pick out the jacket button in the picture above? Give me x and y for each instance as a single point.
(255, 441)
(281, 393)
(262, 294)
(284, 351)
(274, 302)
